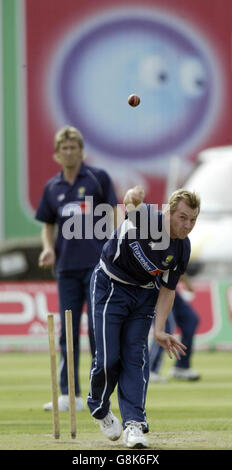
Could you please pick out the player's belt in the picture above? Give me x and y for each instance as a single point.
(112, 276)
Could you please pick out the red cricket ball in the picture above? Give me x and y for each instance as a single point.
(133, 100)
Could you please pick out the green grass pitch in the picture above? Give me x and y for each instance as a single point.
(181, 415)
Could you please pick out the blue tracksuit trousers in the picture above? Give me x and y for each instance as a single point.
(122, 316)
(73, 289)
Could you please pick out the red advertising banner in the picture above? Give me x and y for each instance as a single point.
(24, 307)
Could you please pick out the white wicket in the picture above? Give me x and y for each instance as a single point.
(70, 361)
(52, 349)
(71, 384)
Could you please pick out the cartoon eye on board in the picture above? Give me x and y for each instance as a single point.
(193, 77)
(153, 71)
(165, 62)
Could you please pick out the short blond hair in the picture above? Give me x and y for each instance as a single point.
(66, 133)
(192, 199)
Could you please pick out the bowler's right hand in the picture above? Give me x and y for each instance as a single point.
(134, 196)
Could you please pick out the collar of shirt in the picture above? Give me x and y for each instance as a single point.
(60, 176)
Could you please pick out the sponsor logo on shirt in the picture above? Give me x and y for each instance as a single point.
(143, 260)
(81, 192)
(168, 260)
(76, 208)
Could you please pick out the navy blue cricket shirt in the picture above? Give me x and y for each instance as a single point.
(137, 260)
(61, 200)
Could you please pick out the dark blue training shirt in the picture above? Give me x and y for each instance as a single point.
(137, 260)
(71, 204)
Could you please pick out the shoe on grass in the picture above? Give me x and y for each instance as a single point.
(133, 436)
(63, 404)
(110, 426)
(184, 374)
(154, 377)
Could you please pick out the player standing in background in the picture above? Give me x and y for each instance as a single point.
(68, 202)
(135, 280)
(184, 316)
